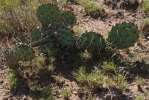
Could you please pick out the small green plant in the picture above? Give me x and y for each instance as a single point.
(86, 88)
(93, 79)
(85, 55)
(45, 94)
(145, 6)
(138, 81)
(66, 92)
(80, 75)
(51, 67)
(109, 67)
(139, 97)
(39, 61)
(57, 78)
(121, 82)
(110, 82)
(13, 78)
(77, 31)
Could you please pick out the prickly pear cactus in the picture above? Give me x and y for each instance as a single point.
(123, 35)
(46, 46)
(91, 42)
(65, 37)
(67, 18)
(47, 13)
(39, 33)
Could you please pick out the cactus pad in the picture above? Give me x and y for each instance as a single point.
(123, 35)
(91, 42)
(67, 18)
(47, 13)
(39, 33)
(46, 46)
(65, 37)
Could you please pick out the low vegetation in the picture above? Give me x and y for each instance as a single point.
(49, 57)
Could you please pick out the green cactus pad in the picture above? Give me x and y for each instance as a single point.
(39, 33)
(65, 37)
(23, 53)
(67, 18)
(91, 42)
(47, 13)
(123, 35)
(46, 46)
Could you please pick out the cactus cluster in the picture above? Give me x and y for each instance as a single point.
(54, 21)
(123, 35)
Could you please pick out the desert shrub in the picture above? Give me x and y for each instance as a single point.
(19, 17)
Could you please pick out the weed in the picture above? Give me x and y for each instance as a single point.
(110, 83)
(95, 79)
(57, 78)
(13, 78)
(44, 94)
(109, 67)
(121, 82)
(145, 6)
(139, 81)
(139, 97)
(51, 67)
(85, 55)
(77, 31)
(80, 75)
(39, 61)
(86, 88)
(66, 92)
